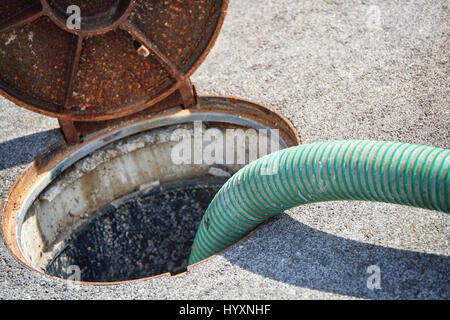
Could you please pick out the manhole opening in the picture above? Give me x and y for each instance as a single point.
(126, 210)
(137, 236)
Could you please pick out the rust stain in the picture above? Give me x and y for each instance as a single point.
(57, 71)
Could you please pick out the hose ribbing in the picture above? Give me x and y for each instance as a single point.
(392, 172)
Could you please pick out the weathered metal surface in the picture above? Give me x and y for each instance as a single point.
(127, 56)
(39, 174)
(184, 97)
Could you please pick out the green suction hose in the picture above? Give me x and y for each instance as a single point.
(390, 172)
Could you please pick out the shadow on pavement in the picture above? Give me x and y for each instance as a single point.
(310, 258)
(23, 150)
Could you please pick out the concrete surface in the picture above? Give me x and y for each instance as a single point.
(337, 74)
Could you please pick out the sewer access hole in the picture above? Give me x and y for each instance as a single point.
(119, 210)
(140, 235)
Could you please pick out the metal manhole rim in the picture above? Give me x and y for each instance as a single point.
(57, 160)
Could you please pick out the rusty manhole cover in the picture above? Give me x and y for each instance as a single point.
(125, 56)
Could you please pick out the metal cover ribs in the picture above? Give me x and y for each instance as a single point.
(125, 55)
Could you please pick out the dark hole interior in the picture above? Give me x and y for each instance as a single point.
(141, 235)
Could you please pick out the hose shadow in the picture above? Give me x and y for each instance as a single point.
(306, 257)
(23, 150)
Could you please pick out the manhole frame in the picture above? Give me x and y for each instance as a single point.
(61, 156)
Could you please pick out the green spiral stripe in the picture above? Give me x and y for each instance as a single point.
(379, 171)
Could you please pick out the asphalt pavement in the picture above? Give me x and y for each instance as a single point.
(367, 69)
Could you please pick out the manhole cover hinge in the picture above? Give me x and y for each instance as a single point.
(185, 97)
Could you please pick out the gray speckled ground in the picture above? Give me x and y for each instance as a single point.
(337, 74)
